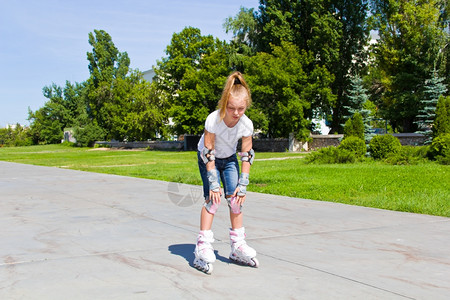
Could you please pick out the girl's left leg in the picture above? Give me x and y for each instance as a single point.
(237, 220)
(240, 251)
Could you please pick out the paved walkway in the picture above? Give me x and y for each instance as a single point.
(67, 234)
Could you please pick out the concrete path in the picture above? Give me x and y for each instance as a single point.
(67, 234)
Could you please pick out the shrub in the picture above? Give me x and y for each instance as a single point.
(88, 135)
(440, 149)
(331, 155)
(408, 155)
(382, 145)
(354, 127)
(355, 145)
(441, 123)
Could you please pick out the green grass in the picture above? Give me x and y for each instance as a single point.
(421, 188)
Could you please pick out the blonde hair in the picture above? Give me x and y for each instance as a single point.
(236, 86)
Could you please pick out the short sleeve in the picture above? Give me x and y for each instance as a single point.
(247, 129)
(211, 122)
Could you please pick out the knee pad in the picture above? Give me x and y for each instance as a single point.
(210, 206)
(235, 208)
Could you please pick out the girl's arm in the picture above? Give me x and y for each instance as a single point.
(247, 145)
(214, 195)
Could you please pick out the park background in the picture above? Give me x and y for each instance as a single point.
(307, 62)
(360, 67)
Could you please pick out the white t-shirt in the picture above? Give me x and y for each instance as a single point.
(226, 137)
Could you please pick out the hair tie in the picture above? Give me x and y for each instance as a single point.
(237, 81)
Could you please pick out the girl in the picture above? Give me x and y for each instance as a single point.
(217, 159)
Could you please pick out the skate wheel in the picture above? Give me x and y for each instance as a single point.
(203, 266)
(255, 262)
(210, 269)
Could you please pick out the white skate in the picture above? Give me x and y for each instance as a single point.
(240, 251)
(204, 252)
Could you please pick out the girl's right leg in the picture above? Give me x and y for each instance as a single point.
(208, 209)
(204, 252)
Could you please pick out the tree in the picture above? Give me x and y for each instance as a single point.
(335, 32)
(114, 103)
(358, 102)
(105, 61)
(15, 136)
(48, 122)
(244, 29)
(357, 97)
(137, 113)
(45, 129)
(433, 90)
(285, 92)
(191, 78)
(351, 55)
(411, 36)
(106, 64)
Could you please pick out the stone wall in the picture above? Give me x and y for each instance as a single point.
(189, 143)
(322, 141)
(150, 145)
(412, 139)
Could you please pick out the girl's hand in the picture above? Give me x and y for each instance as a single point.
(215, 197)
(239, 199)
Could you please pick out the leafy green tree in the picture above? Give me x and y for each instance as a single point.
(191, 77)
(106, 64)
(244, 29)
(48, 122)
(44, 128)
(351, 56)
(105, 61)
(15, 136)
(411, 36)
(335, 32)
(284, 91)
(114, 103)
(137, 113)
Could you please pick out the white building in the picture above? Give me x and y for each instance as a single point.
(149, 74)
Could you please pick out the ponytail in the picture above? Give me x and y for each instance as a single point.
(236, 86)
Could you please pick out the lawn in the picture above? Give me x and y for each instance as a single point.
(422, 188)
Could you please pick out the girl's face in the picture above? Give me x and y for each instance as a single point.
(235, 108)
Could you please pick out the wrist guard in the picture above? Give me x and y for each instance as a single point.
(213, 181)
(242, 186)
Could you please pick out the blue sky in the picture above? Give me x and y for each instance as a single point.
(44, 42)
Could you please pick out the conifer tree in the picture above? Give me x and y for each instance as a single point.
(434, 88)
(357, 99)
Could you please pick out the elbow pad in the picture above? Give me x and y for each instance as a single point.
(247, 156)
(208, 155)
